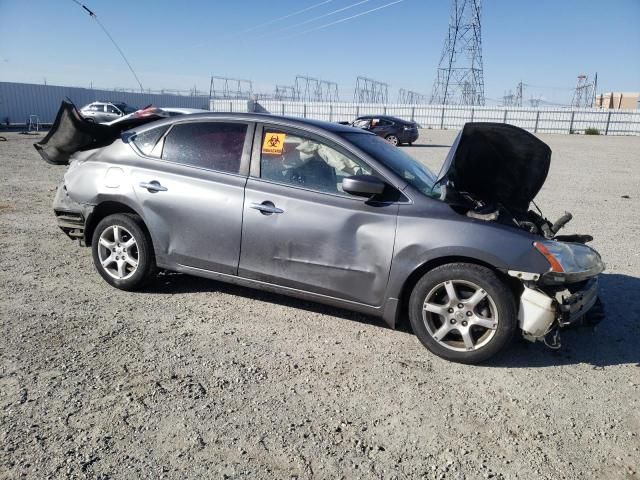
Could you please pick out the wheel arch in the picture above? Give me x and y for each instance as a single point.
(104, 209)
(401, 317)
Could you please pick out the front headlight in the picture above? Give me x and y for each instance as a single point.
(570, 260)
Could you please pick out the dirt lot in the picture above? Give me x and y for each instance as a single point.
(197, 379)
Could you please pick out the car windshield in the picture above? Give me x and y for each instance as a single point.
(415, 173)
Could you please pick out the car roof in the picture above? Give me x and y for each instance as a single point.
(384, 117)
(336, 128)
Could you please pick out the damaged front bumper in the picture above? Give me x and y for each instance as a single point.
(71, 216)
(544, 310)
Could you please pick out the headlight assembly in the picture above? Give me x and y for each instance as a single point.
(569, 261)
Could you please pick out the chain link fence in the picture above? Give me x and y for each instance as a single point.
(537, 120)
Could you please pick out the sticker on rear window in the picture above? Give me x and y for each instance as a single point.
(273, 143)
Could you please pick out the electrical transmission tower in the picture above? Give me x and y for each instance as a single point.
(585, 93)
(409, 97)
(535, 101)
(370, 91)
(308, 89)
(230, 88)
(285, 93)
(460, 77)
(518, 98)
(508, 99)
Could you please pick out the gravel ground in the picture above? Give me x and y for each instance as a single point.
(197, 379)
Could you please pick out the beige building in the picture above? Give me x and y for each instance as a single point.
(617, 100)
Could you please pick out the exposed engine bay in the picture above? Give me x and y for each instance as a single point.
(493, 173)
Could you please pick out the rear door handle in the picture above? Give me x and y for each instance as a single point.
(153, 186)
(266, 208)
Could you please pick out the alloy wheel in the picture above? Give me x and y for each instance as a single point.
(118, 252)
(460, 315)
(393, 140)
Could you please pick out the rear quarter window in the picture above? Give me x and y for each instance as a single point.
(146, 141)
(211, 145)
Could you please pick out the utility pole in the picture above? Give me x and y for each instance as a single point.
(460, 74)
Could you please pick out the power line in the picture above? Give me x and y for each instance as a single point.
(94, 16)
(366, 12)
(316, 5)
(317, 18)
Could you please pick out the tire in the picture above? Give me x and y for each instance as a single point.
(488, 319)
(393, 140)
(130, 245)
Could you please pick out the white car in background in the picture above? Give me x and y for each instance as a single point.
(104, 112)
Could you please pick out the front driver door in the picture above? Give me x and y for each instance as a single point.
(300, 230)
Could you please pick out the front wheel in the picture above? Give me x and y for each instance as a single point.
(122, 251)
(463, 312)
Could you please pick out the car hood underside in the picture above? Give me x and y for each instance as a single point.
(497, 164)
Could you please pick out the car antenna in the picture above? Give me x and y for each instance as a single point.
(95, 17)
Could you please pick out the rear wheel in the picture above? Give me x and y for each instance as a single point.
(122, 251)
(393, 140)
(462, 312)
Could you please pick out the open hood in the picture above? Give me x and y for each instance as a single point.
(71, 133)
(497, 164)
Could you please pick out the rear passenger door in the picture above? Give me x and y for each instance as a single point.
(382, 127)
(190, 184)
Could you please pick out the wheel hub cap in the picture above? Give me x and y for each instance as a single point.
(118, 252)
(460, 315)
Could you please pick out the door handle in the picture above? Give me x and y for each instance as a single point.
(266, 208)
(153, 186)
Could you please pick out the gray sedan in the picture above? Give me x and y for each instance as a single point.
(333, 214)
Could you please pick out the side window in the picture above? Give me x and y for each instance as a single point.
(112, 109)
(146, 141)
(96, 108)
(362, 123)
(211, 145)
(302, 162)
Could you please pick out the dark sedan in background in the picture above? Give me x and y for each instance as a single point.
(394, 130)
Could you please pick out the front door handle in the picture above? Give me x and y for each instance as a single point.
(266, 208)
(153, 186)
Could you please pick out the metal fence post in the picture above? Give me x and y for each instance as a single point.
(413, 114)
(442, 119)
(473, 111)
(606, 129)
(384, 110)
(331, 112)
(304, 110)
(535, 128)
(504, 119)
(357, 110)
(573, 113)
(282, 109)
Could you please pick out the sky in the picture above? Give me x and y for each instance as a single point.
(545, 44)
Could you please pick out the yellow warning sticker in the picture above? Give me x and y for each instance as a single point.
(273, 143)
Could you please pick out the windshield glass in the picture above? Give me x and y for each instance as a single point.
(415, 173)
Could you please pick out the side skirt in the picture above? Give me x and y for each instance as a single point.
(387, 311)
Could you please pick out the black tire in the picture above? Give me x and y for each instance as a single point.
(497, 297)
(142, 251)
(393, 140)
